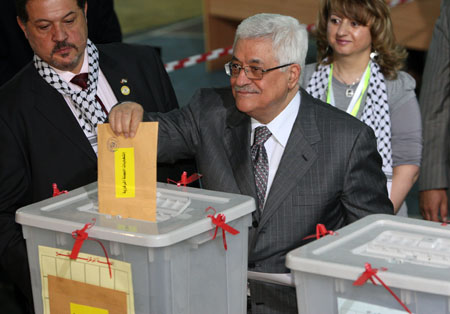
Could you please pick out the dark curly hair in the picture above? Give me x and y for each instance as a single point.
(372, 13)
(22, 10)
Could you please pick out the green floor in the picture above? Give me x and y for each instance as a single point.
(140, 15)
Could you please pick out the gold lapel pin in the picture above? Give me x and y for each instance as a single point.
(125, 90)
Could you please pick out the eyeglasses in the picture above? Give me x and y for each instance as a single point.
(252, 72)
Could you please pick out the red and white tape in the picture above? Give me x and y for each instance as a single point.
(217, 53)
(186, 62)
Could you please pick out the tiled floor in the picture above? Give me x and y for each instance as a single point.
(178, 41)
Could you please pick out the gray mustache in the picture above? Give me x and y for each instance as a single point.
(62, 44)
(247, 89)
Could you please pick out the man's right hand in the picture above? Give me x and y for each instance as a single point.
(432, 203)
(125, 117)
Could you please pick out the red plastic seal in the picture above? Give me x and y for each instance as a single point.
(219, 222)
(371, 273)
(56, 191)
(320, 232)
(80, 236)
(185, 180)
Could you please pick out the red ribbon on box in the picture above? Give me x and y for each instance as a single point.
(219, 221)
(369, 273)
(56, 191)
(185, 179)
(80, 236)
(320, 232)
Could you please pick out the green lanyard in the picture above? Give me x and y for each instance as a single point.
(355, 109)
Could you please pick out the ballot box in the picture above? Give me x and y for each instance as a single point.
(178, 264)
(410, 256)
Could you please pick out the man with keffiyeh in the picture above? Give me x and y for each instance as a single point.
(50, 110)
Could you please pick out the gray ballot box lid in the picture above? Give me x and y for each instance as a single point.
(180, 215)
(415, 254)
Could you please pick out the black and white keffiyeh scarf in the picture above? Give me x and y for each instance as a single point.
(89, 111)
(376, 110)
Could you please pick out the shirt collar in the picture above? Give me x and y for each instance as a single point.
(67, 75)
(281, 126)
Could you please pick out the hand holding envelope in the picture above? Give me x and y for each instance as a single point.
(127, 169)
(124, 118)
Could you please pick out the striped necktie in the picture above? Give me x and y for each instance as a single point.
(260, 163)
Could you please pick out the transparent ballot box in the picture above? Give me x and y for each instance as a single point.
(410, 256)
(174, 265)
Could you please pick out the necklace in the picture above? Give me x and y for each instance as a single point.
(350, 91)
(355, 102)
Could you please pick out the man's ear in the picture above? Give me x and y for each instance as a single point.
(22, 26)
(85, 9)
(294, 75)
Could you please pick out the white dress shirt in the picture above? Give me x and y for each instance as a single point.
(281, 128)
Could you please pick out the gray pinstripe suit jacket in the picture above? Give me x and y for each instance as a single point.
(330, 173)
(435, 107)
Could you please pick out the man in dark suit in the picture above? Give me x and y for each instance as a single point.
(48, 122)
(304, 161)
(15, 52)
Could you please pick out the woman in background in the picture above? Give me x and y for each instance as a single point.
(358, 72)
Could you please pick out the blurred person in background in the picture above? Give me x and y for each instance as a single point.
(358, 71)
(435, 109)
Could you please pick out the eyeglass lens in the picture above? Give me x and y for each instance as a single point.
(250, 71)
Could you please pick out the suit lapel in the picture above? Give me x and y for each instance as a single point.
(298, 157)
(53, 107)
(117, 77)
(237, 144)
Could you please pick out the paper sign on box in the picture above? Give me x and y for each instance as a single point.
(85, 282)
(127, 172)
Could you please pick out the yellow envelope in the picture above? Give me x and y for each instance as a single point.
(127, 172)
(73, 297)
